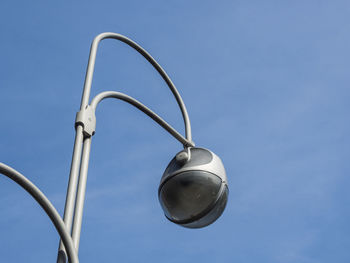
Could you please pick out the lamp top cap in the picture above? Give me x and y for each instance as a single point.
(195, 158)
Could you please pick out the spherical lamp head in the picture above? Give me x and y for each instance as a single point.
(193, 190)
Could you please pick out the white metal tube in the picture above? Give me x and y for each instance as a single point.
(72, 189)
(145, 54)
(46, 205)
(79, 204)
(118, 95)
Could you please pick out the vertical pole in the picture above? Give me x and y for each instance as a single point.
(79, 205)
(69, 210)
(72, 189)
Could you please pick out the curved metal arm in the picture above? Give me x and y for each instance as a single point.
(144, 53)
(118, 95)
(46, 205)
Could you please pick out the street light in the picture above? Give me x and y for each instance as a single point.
(193, 190)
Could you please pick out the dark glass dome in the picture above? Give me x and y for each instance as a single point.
(193, 199)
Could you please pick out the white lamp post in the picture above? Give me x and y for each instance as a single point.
(193, 190)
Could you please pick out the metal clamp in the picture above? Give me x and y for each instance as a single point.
(87, 119)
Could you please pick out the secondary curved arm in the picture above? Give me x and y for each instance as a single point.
(118, 95)
(46, 205)
(144, 53)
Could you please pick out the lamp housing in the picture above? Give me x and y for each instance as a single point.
(193, 190)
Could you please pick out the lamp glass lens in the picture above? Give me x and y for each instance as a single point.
(186, 195)
(214, 214)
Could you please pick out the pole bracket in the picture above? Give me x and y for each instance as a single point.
(87, 119)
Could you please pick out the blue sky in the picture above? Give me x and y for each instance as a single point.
(266, 85)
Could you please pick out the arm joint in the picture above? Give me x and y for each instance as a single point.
(87, 119)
